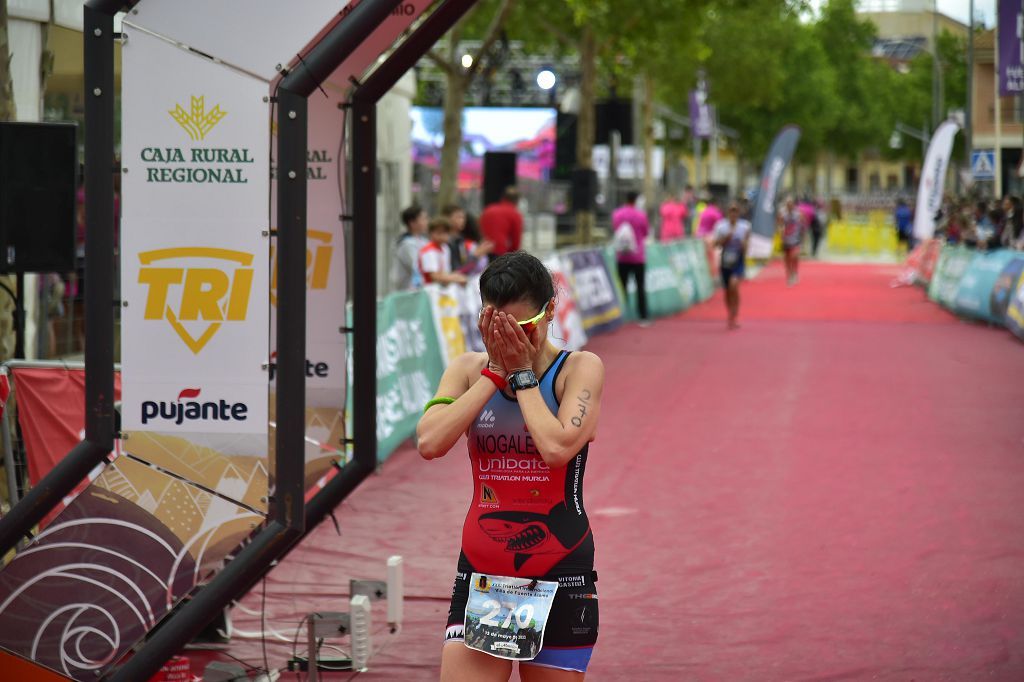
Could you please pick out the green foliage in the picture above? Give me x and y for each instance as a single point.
(768, 63)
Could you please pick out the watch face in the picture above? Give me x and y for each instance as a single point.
(523, 379)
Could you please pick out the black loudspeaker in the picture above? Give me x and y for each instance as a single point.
(499, 173)
(614, 114)
(38, 168)
(565, 147)
(584, 189)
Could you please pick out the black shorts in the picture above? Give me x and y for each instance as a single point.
(571, 631)
(729, 273)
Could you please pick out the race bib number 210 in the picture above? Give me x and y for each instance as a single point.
(506, 617)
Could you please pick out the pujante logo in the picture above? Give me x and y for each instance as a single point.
(318, 262)
(192, 410)
(197, 121)
(195, 298)
(486, 420)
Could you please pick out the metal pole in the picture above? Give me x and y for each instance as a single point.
(364, 298)
(999, 122)
(969, 108)
(19, 315)
(936, 113)
(292, 119)
(12, 474)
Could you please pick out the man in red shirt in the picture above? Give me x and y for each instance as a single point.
(502, 224)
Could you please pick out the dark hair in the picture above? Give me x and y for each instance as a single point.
(516, 277)
(632, 196)
(410, 214)
(451, 209)
(511, 194)
(439, 225)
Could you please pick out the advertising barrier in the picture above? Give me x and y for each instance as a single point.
(1015, 310)
(1005, 288)
(951, 268)
(974, 294)
(594, 287)
(410, 361)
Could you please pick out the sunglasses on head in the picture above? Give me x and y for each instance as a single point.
(531, 324)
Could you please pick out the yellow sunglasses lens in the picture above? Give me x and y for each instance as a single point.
(533, 320)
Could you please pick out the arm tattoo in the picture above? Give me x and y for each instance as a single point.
(582, 402)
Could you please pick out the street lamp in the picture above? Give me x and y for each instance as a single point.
(546, 79)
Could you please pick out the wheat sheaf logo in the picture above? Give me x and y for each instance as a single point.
(193, 297)
(198, 122)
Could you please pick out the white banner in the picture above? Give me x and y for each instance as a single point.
(933, 179)
(195, 149)
(447, 306)
(325, 258)
(264, 35)
(567, 327)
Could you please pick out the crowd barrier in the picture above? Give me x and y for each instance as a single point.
(982, 285)
(419, 333)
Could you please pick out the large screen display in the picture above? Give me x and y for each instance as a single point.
(528, 131)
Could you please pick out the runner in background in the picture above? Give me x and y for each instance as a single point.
(791, 225)
(530, 412)
(732, 234)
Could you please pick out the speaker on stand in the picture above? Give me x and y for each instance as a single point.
(38, 169)
(499, 174)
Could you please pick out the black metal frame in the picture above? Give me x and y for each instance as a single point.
(291, 520)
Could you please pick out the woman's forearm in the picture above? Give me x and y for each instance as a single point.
(442, 425)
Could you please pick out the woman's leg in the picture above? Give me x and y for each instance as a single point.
(459, 663)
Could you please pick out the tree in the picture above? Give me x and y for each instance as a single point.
(458, 80)
(7, 108)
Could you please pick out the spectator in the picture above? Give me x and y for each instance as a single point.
(904, 219)
(632, 263)
(405, 273)
(469, 255)
(690, 201)
(1013, 225)
(709, 217)
(435, 258)
(502, 224)
(673, 216)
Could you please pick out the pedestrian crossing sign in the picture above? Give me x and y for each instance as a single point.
(983, 164)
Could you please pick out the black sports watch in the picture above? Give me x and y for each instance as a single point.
(523, 378)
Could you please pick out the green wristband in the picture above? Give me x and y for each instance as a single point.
(438, 401)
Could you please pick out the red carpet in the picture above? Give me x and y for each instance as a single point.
(829, 493)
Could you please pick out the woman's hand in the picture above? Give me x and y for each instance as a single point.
(518, 351)
(486, 327)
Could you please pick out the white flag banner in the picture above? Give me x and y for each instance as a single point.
(325, 258)
(567, 327)
(194, 253)
(933, 180)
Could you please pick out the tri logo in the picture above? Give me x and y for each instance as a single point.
(319, 251)
(195, 296)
